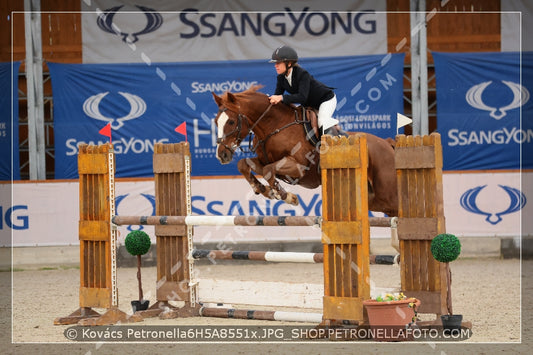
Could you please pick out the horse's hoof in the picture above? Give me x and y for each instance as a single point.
(292, 199)
(266, 192)
(273, 195)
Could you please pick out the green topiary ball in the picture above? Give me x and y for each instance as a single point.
(137, 243)
(445, 247)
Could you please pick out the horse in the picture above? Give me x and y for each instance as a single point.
(284, 153)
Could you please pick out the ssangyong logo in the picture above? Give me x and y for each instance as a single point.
(91, 107)
(222, 86)
(154, 20)
(474, 98)
(517, 202)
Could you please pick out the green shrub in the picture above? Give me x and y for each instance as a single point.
(445, 247)
(137, 242)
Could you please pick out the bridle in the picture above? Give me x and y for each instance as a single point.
(238, 129)
(238, 140)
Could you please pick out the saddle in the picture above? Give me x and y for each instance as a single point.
(309, 119)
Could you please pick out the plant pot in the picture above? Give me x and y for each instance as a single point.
(451, 323)
(140, 305)
(390, 320)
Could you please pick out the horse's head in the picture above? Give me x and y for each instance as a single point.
(233, 124)
(230, 127)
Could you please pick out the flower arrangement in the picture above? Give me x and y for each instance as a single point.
(394, 312)
(388, 297)
(391, 297)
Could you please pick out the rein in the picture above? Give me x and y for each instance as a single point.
(259, 119)
(262, 142)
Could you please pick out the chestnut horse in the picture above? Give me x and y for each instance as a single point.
(283, 151)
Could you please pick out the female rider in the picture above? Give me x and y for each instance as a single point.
(302, 88)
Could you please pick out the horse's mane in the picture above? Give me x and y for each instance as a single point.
(231, 99)
(253, 89)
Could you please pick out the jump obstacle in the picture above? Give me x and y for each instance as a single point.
(345, 230)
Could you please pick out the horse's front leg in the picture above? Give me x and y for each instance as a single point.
(246, 166)
(289, 168)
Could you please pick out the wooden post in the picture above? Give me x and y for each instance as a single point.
(171, 177)
(96, 166)
(345, 228)
(420, 219)
(94, 227)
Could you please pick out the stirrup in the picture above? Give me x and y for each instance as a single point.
(333, 131)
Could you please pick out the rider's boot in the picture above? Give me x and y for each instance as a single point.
(334, 131)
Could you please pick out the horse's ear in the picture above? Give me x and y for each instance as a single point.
(232, 98)
(217, 98)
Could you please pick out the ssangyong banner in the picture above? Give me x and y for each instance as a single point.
(9, 122)
(485, 110)
(121, 31)
(488, 204)
(475, 205)
(145, 104)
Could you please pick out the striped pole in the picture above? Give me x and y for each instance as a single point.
(385, 222)
(281, 257)
(237, 221)
(218, 220)
(302, 317)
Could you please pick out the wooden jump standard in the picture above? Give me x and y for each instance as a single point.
(98, 288)
(345, 230)
(418, 163)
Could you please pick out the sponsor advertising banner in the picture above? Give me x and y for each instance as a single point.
(489, 204)
(9, 123)
(191, 30)
(475, 205)
(144, 104)
(516, 23)
(484, 109)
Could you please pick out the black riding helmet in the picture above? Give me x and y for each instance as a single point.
(284, 54)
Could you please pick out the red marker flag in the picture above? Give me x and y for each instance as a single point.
(182, 129)
(106, 131)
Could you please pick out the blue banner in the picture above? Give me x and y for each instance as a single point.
(9, 121)
(146, 102)
(484, 109)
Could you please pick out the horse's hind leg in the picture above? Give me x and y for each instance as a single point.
(382, 193)
(246, 166)
(382, 174)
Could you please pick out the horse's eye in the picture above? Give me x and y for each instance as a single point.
(231, 122)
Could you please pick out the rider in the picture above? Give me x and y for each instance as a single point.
(302, 88)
